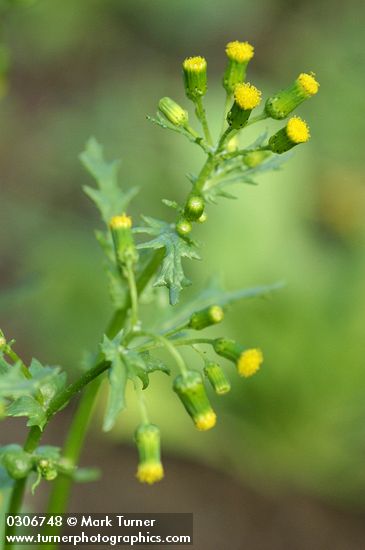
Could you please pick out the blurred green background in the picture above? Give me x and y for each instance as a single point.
(97, 67)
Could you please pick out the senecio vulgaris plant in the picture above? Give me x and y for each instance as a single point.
(127, 350)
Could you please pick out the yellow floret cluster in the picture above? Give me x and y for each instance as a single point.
(239, 51)
(121, 222)
(247, 96)
(195, 64)
(249, 362)
(150, 472)
(297, 130)
(308, 83)
(206, 421)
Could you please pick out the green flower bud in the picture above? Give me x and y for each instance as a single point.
(280, 105)
(47, 469)
(246, 98)
(203, 218)
(239, 54)
(183, 227)
(125, 249)
(217, 378)
(255, 158)
(195, 77)
(194, 208)
(147, 439)
(18, 464)
(206, 317)
(191, 391)
(248, 361)
(296, 131)
(173, 112)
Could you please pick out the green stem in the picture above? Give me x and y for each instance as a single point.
(204, 175)
(141, 402)
(164, 342)
(133, 292)
(228, 132)
(174, 331)
(227, 106)
(16, 359)
(198, 139)
(200, 113)
(71, 452)
(257, 118)
(240, 152)
(182, 342)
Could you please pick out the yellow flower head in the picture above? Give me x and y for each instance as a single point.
(121, 222)
(149, 472)
(239, 51)
(308, 83)
(297, 130)
(195, 64)
(247, 96)
(206, 421)
(249, 362)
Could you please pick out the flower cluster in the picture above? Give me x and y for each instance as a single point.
(225, 162)
(128, 347)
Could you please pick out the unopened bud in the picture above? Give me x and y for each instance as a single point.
(183, 227)
(191, 391)
(17, 463)
(173, 112)
(147, 439)
(47, 469)
(194, 207)
(125, 250)
(217, 378)
(206, 317)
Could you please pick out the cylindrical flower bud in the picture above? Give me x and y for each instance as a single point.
(124, 246)
(150, 469)
(246, 98)
(284, 102)
(248, 361)
(217, 378)
(239, 54)
(195, 77)
(206, 317)
(254, 158)
(47, 469)
(296, 131)
(173, 112)
(183, 227)
(17, 463)
(191, 391)
(194, 207)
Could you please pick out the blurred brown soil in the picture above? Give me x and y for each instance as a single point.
(227, 514)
